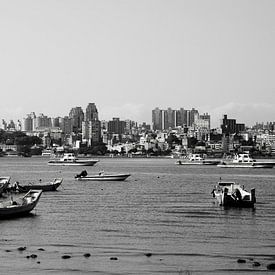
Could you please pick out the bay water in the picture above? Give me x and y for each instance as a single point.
(161, 220)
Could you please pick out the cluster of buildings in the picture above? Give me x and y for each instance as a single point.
(84, 128)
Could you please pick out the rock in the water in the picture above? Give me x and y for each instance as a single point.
(271, 266)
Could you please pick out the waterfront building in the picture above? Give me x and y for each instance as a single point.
(229, 126)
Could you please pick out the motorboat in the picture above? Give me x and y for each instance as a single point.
(20, 206)
(232, 194)
(47, 186)
(71, 159)
(245, 161)
(101, 176)
(4, 183)
(196, 159)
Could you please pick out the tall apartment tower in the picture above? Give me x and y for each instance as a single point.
(169, 119)
(77, 116)
(157, 119)
(91, 126)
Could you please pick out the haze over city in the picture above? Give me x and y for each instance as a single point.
(132, 56)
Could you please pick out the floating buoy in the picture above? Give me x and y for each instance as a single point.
(66, 257)
(113, 258)
(87, 255)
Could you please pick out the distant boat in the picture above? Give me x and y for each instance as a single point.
(197, 159)
(71, 159)
(20, 206)
(245, 161)
(83, 176)
(47, 153)
(4, 183)
(232, 194)
(48, 186)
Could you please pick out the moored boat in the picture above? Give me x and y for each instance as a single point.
(83, 176)
(232, 194)
(71, 159)
(197, 159)
(245, 161)
(20, 206)
(47, 186)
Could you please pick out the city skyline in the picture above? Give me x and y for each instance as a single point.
(130, 57)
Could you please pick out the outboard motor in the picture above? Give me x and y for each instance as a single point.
(253, 195)
(82, 174)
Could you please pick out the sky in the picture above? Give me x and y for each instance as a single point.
(131, 56)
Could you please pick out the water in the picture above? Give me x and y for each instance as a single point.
(161, 220)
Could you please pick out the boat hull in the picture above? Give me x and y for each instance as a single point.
(119, 177)
(200, 162)
(74, 163)
(18, 210)
(52, 186)
(245, 165)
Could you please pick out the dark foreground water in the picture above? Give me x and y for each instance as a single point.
(161, 220)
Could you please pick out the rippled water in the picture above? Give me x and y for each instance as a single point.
(161, 220)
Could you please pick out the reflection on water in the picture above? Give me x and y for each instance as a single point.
(162, 219)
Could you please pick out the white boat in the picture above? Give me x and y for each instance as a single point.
(71, 159)
(83, 176)
(232, 194)
(20, 206)
(245, 161)
(197, 159)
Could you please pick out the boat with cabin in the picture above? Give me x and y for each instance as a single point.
(196, 159)
(71, 159)
(245, 161)
(232, 194)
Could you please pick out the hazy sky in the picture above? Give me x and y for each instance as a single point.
(131, 56)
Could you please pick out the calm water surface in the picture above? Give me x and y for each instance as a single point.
(161, 220)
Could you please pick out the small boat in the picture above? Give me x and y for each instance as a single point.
(20, 206)
(71, 159)
(232, 194)
(245, 161)
(4, 183)
(83, 176)
(48, 186)
(197, 159)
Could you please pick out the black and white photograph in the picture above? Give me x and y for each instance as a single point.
(137, 137)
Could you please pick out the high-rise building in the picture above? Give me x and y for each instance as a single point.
(91, 112)
(91, 126)
(116, 126)
(77, 116)
(169, 118)
(157, 119)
